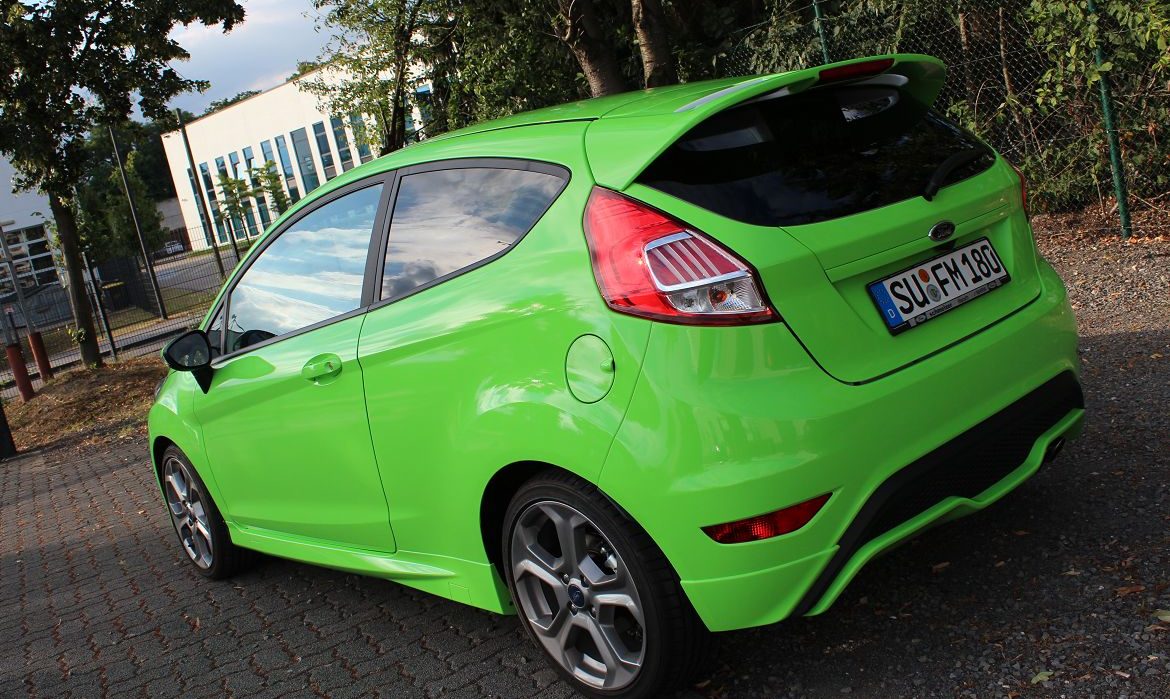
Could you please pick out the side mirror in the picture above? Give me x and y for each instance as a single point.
(191, 352)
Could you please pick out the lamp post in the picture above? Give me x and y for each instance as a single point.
(162, 309)
(204, 214)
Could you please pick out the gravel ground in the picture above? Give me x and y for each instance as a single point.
(1057, 590)
(1054, 591)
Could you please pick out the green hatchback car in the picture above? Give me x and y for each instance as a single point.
(635, 368)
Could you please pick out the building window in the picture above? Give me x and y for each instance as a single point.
(240, 175)
(342, 143)
(199, 207)
(290, 178)
(234, 224)
(325, 150)
(300, 143)
(363, 148)
(261, 203)
(209, 187)
(31, 257)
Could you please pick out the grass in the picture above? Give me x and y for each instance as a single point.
(84, 408)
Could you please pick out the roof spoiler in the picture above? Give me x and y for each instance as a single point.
(626, 140)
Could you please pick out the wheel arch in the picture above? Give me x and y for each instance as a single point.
(497, 495)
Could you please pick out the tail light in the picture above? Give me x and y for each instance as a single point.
(852, 71)
(783, 521)
(649, 265)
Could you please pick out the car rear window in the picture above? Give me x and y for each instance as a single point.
(814, 156)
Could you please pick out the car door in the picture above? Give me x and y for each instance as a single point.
(284, 420)
(447, 332)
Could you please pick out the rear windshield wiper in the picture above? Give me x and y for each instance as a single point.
(942, 172)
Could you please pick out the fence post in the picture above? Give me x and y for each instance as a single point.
(820, 23)
(7, 445)
(1115, 161)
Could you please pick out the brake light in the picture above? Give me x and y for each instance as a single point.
(649, 265)
(1023, 190)
(783, 521)
(855, 70)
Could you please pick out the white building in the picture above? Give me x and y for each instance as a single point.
(27, 236)
(284, 125)
(32, 256)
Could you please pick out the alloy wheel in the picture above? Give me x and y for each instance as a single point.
(578, 595)
(186, 502)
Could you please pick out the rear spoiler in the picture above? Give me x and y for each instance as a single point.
(626, 140)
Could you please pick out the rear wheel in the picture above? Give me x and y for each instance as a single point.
(202, 532)
(595, 593)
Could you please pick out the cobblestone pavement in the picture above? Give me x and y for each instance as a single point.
(95, 602)
(1056, 591)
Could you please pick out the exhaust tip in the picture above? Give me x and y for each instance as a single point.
(1054, 449)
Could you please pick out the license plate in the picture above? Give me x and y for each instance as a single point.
(929, 289)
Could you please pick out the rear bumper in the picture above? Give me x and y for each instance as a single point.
(728, 423)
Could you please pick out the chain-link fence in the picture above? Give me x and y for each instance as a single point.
(1025, 76)
(129, 319)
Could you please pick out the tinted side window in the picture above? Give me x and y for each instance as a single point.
(311, 273)
(446, 220)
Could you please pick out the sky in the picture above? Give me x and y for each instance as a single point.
(257, 54)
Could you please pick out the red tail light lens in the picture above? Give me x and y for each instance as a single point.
(855, 70)
(767, 526)
(649, 265)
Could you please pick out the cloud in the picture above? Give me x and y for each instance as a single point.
(257, 54)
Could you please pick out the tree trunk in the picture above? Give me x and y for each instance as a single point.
(654, 43)
(583, 36)
(70, 251)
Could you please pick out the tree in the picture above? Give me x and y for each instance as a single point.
(268, 183)
(233, 200)
(74, 66)
(104, 224)
(217, 105)
(367, 67)
(303, 69)
(582, 31)
(105, 228)
(653, 43)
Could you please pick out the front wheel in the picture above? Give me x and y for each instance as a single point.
(595, 593)
(202, 532)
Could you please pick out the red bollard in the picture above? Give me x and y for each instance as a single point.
(19, 371)
(37, 344)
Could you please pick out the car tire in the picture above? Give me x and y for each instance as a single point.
(611, 617)
(203, 535)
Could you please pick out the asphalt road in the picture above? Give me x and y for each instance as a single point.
(1055, 591)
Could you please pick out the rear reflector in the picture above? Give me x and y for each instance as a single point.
(1023, 189)
(783, 521)
(855, 70)
(650, 265)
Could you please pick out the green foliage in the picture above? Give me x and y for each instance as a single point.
(268, 182)
(73, 65)
(103, 214)
(371, 65)
(217, 105)
(1021, 73)
(303, 69)
(233, 199)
